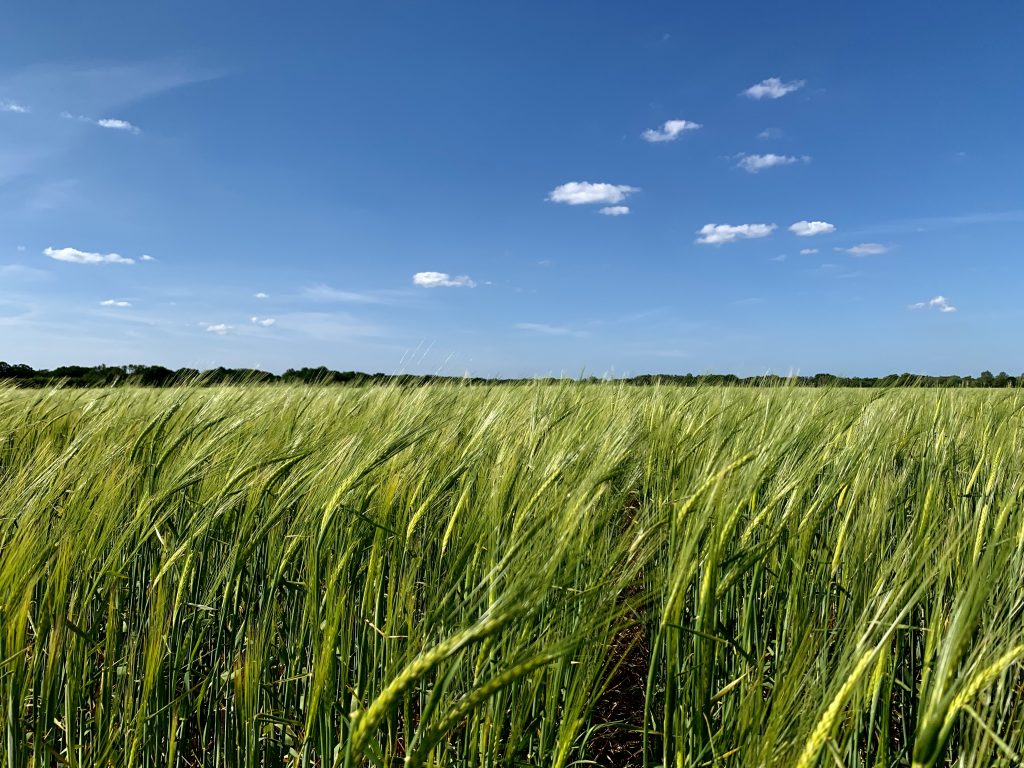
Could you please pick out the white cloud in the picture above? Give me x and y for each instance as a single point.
(219, 328)
(10, 106)
(811, 228)
(615, 210)
(866, 249)
(808, 251)
(780, 257)
(756, 163)
(262, 295)
(670, 130)
(147, 257)
(75, 256)
(770, 133)
(115, 303)
(441, 280)
(940, 303)
(21, 248)
(716, 234)
(549, 330)
(118, 125)
(265, 322)
(773, 88)
(585, 193)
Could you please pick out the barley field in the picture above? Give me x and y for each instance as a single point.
(531, 575)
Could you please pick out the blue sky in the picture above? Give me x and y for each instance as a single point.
(426, 187)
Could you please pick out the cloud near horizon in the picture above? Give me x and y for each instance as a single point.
(115, 303)
(588, 193)
(550, 330)
(75, 256)
(442, 280)
(716, 234)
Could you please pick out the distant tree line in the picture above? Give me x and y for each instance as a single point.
(157, 376)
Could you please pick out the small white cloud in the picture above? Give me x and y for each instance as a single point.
(21, 248)
(441, 280)
(780, 257)
(770, 133)
(757, 163)
(115, 303)
(75, 256)
(147, 257)
(808, 251)
(615, 210)
(265, 322)
(118, 125)
(773, 88)
(219, 328)
(261, 295)
(811, 228)
(585, 193)
(866, 249)
(940, 303)
(13, 107)
(670, 130)
(716, 234)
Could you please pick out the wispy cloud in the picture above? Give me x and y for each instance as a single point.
(586, 193)
(808, 251)
(264, 322)
(115, 303)
(105, 122)
(75, 256)
(220, 329)
(811, 228)
(13, 107)
(773, 88)
(326, 293)
(118, 125)
(716, 234)
(770, 133)
(79, 89)
(328, 326)
(261, 295)
(940, 303)
(670, 130)
(442, 280)
(21, 272)
(758, 163)
(866, 249)
(615, 210)
(550, 330)
(147, 257)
